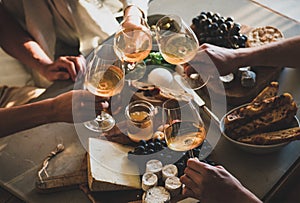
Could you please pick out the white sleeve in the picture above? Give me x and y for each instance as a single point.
(141, 4)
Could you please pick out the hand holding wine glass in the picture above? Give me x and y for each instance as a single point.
(104, 78)
(184, 128)
(132, 44)
(178, 44)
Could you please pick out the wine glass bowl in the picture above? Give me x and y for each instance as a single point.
(104, 78)
(178, 45)
(133, 42)
(184, 128)
(177, 42)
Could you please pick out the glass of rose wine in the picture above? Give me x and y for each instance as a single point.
(132, 44)
(178, 44)
(183, 126)
(104, 78)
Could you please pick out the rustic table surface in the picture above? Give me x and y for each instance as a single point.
(21, 154)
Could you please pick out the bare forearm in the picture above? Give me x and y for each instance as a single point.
(283, 53)
(28, 53)
(19, 44)
(247, 197)
(19, 118)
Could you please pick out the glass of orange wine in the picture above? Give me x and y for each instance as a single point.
(133, 43)
(104, 78)
(178, 45)
(177, 42)
(183, 126)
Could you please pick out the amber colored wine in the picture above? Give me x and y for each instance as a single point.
(183, 136)
(178, 48)
(140, 126)
(133, 45)
(106, 83)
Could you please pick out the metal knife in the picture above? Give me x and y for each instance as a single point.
(198, 100)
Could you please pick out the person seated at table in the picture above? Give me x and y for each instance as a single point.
(213, 184)
(57, 109)
(56, 34)
(283, 53)
(37, 43)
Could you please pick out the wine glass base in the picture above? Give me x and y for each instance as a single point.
(106, 124)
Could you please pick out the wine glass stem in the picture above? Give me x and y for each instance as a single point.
(99, 118)
(191, 154)
(130, 66)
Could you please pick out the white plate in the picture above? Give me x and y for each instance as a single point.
(257, 149)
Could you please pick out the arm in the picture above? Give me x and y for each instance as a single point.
(58, 109)
(279, 54)
(214, 184)
(135, 7)
(284, 53)
(19, 44)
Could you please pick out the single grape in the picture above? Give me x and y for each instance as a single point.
(139, 150)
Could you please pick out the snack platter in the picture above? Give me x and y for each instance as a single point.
(114, 176)
(123, 173)
(226, 32)
(237, 95)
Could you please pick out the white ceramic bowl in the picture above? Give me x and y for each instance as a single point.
(257, 149)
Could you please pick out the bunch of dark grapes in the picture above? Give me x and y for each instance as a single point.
(149, 147)
(215, 29)
(158, 149)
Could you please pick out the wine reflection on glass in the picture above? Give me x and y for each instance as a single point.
(132, 44)
(183, 126)
(104, 78)
(177, 42)
(178, 45)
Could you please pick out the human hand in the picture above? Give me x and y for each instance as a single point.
(224, 59)
(134, 38)
(77, 106)
(132, 16)
(213, 184)
(64, 67)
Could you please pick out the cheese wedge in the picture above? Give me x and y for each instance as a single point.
(109, 168)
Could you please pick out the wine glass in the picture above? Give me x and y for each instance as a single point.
(132, 44)
(178, 44)
(104, 78)
(183, 126)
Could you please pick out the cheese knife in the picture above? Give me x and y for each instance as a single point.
(197, 99)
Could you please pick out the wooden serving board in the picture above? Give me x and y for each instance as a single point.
(109, 169)
(237, 95)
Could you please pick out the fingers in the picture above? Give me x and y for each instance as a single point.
(79, 62)
(89, 99)
(61, 75)
(86, 106)
(194, 176)
(64, 63)
(190, 187)
(206, 46)
(189, 179)
(66, 67)
(197, 165)
(188, 192)
(132, 22)
(101, 105)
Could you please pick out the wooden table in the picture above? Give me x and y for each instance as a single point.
(21, 154)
